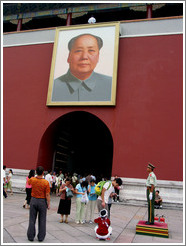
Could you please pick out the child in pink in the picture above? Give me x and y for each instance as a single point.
(103, 230)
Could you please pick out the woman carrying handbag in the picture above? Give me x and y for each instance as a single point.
(80, 191)
(65, 200)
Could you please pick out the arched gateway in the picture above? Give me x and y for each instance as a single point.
(77, 142)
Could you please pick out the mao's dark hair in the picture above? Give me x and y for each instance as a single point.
(72, 41)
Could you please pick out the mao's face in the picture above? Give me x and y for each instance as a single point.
(83, 57)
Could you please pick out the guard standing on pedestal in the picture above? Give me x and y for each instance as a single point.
(151, 184)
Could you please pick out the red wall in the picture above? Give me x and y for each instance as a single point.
(146, 123)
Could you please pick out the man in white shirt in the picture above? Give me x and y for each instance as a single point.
(108, 188)
(48, 177)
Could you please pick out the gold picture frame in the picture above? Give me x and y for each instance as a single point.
(65, 87)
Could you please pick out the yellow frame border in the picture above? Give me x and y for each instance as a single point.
(112, 102)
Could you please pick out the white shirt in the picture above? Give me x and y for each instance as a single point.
(107, 192)
(54, 178)
(74, 179)
(48, 177)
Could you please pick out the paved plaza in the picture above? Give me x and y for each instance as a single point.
(123, 219)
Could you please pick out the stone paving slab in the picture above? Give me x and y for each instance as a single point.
(123, 221)
(7, 238)
(126, 236)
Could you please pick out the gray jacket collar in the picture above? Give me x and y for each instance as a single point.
(74, 83)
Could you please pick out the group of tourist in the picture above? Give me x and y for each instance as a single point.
(39, 188)
(82, 187)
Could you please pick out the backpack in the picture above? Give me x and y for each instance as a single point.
(99, 187)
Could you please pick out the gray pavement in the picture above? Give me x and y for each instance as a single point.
(123, 219)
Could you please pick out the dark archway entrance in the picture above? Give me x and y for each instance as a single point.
(79, 142)
(83, 144)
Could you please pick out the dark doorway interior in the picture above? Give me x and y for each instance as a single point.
(83, 144)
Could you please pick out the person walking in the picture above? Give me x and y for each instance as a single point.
(39, 203)
(89, 214)
(9, 182)
(48, 177)
(53, 190)
(28, 189)
(65, 201)
(58, 184)
(61, 175)
(80, 190)
(151, 184)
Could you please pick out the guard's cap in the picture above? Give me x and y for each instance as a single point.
(151, 166)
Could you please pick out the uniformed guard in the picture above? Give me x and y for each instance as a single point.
(151, 184)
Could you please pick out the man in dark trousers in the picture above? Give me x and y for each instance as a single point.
(40, 201)
(108, 188)
(151, 184)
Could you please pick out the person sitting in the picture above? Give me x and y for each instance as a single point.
(103, 230)
(158, 200)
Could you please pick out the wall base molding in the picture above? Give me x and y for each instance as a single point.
(133, 191)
